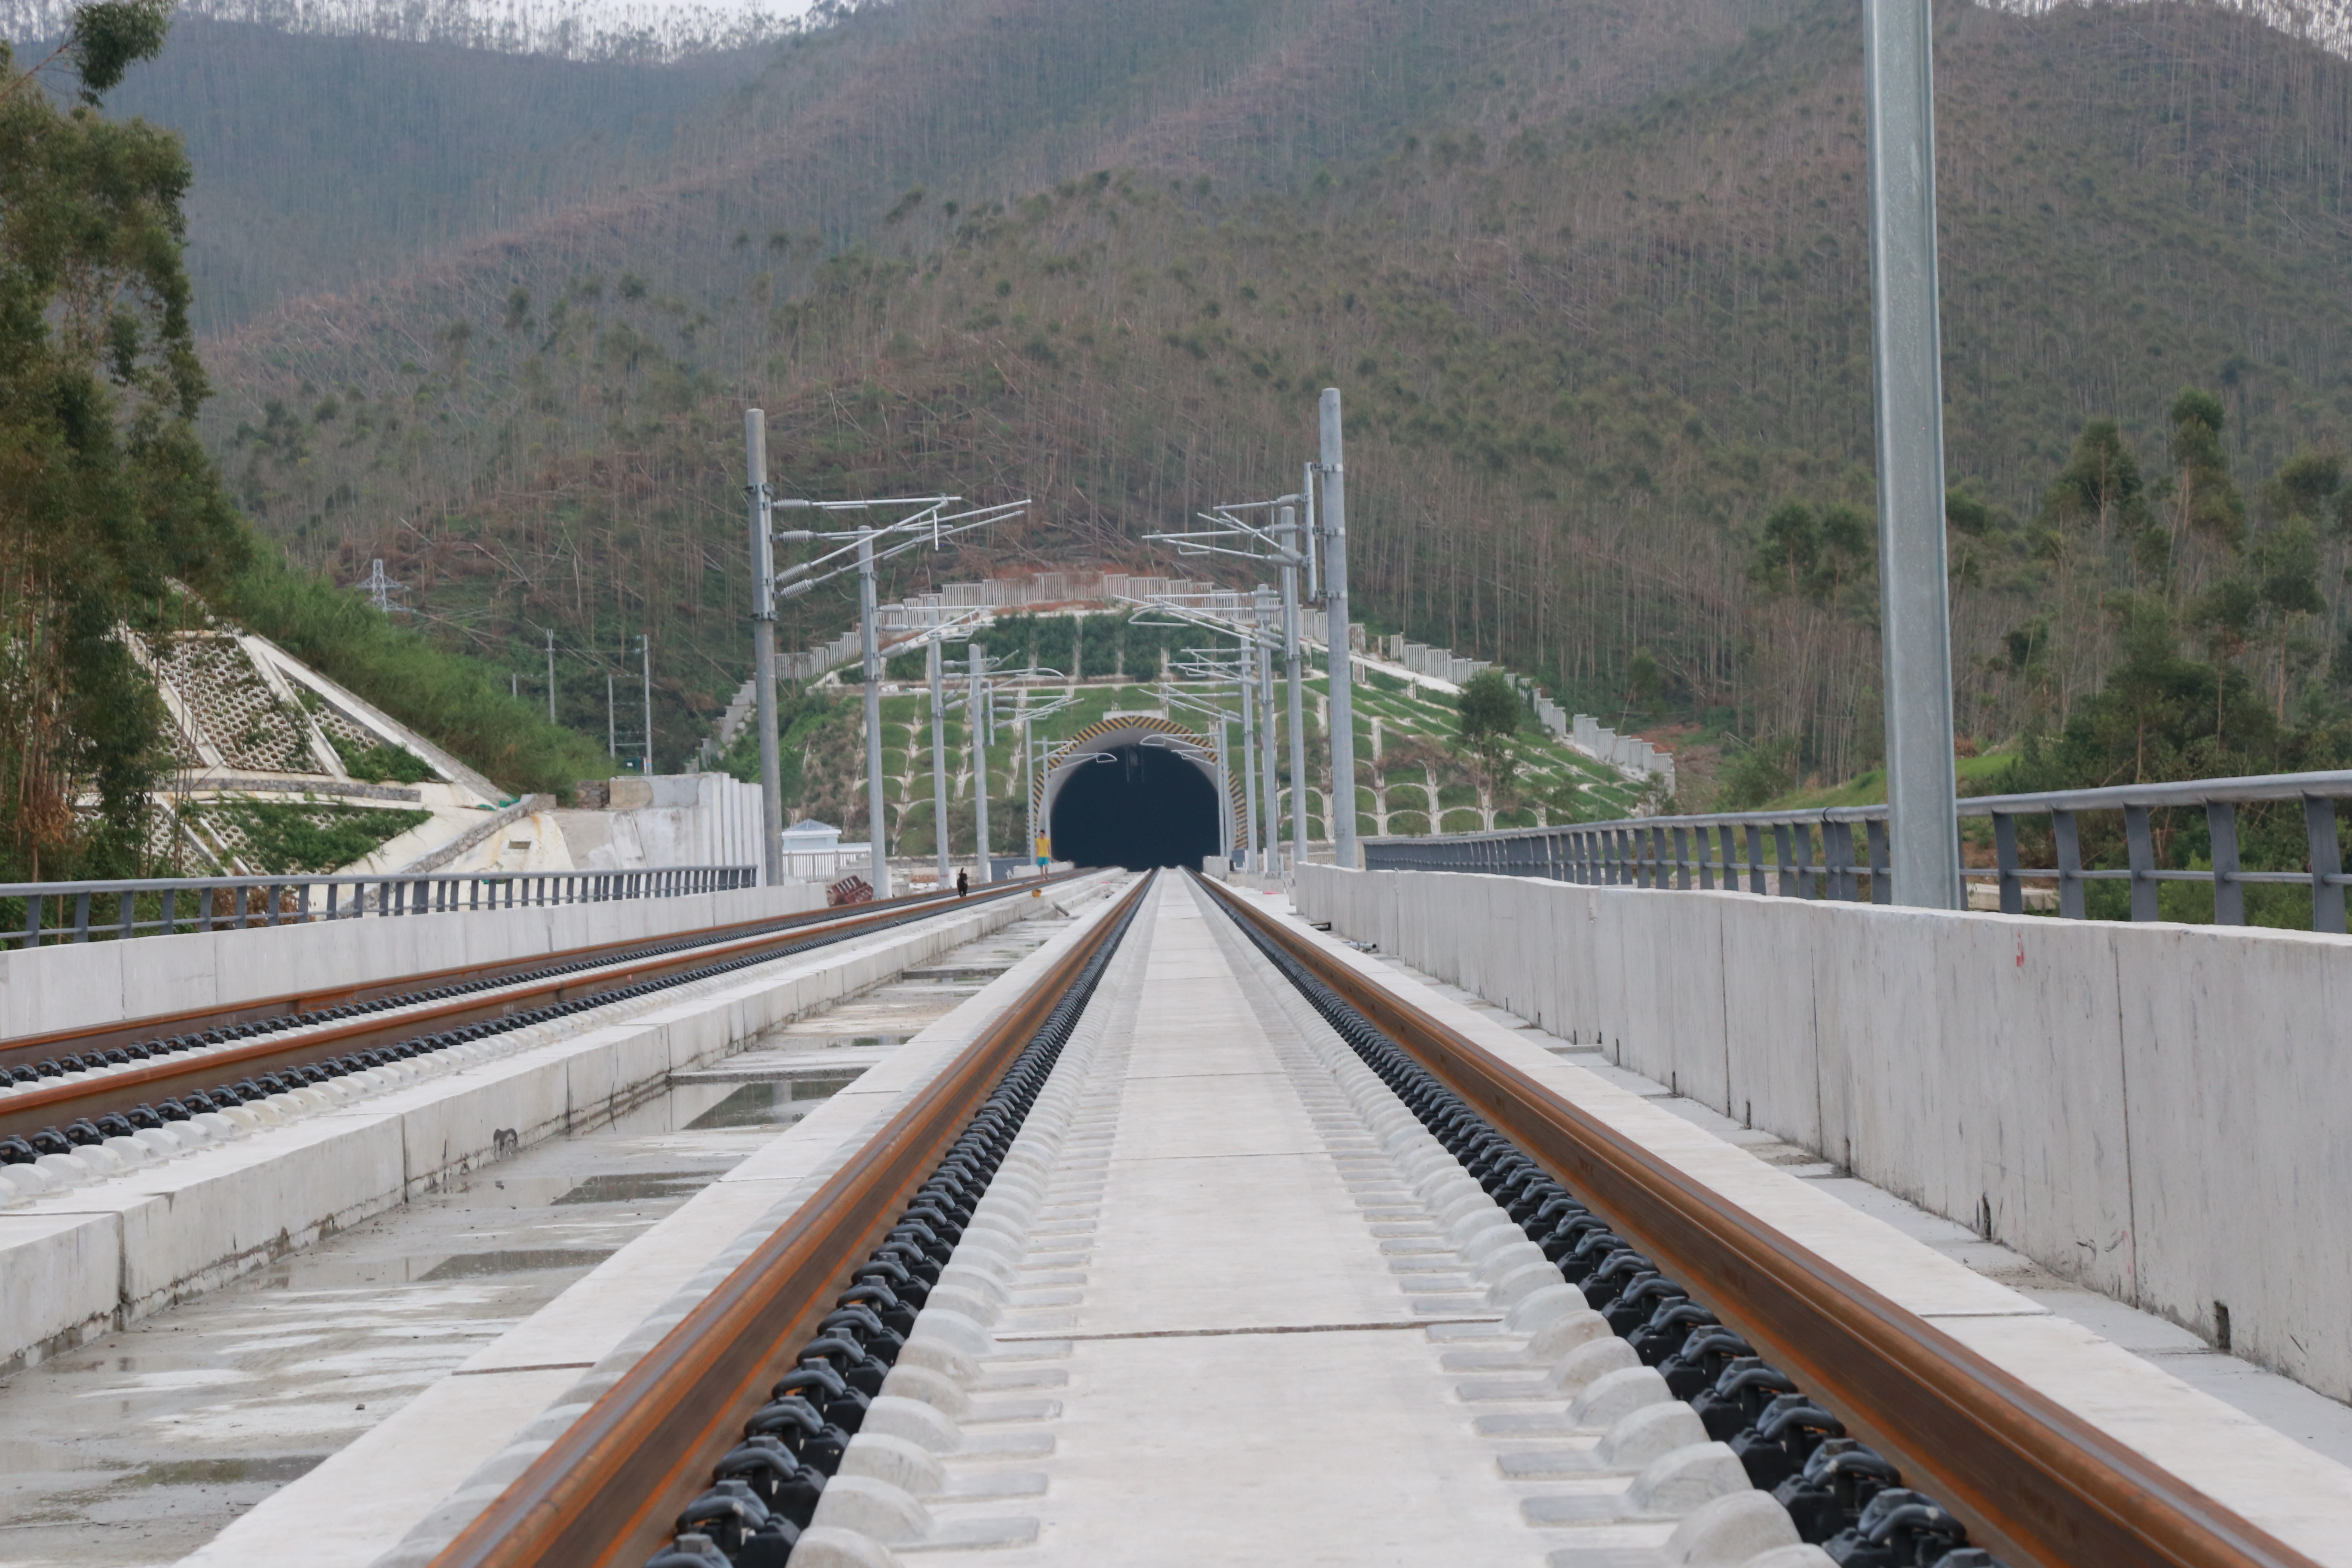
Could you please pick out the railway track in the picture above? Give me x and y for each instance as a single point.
(75, 1089)
(1251, 1216)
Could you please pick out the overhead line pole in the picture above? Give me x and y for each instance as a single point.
(550, 675)
(1288, 530)
(876, 822)
(1247, 760)
(763, 647)
(978, 720)
(1270, 854)
(646, 652)
(1914, 603)
(934, 667)
(1334, 469)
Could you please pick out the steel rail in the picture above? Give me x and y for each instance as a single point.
(28, 1049)
(56, 1102)
(602, 1493)
(2033, 1481)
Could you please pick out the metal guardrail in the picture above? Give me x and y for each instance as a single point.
(1658, 851)
(172, 905)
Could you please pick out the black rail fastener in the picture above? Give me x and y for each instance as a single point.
(815, 1408)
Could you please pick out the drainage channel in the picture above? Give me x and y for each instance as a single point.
(108, 1113)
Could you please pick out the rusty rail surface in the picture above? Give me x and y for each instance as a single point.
(56, 1101)
(602, 1493)
(2032, 1481)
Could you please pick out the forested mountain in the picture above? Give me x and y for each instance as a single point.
(1593, 277)
(325, 161)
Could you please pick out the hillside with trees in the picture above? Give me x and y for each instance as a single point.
(1593, 278)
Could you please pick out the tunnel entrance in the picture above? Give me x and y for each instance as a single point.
(1146, 807)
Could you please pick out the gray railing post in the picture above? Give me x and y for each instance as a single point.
(1784, 861)
(1837, 858)
(1882, 875)
(2070, 865)
(2326, 862)
(33, 920)
(1803, 832)
(2004, 852)
(2229, 893)
(1682, 860)
(2139, 840)
(126, 914)
(81, 917)
(1754, 857)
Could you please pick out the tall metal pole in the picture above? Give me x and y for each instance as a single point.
(550, 675)
(1224, 785)
(1914, 603)
(763, 647)
(1246, 758)
(646, 652)
(933, 666)
(612, 735)
(978, 721)
(1335, 603)
(876, 823)
(1269, 854)
(1307, 541)
(1028, 789)
(1288, 533)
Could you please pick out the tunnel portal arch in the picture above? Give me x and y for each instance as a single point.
(1165, 769)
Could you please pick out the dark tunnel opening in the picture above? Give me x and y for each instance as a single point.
(1148, 808)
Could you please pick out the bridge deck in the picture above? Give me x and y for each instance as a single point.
(1226, 1299)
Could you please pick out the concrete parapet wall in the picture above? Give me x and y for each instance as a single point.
(2156, 1111)
(79, 983)
(81, 1262)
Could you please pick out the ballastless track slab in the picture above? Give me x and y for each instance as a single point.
(1219, 1302)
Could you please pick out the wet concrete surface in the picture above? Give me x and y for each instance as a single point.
(140, 1447)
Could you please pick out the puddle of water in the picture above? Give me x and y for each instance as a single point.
(770, 1104)
(799, 1043)
(668, 1112)
(626, 1187)
(276, 1471)
(515, 1260)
